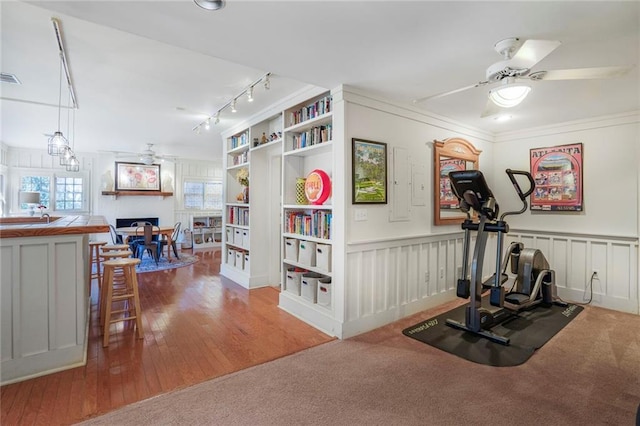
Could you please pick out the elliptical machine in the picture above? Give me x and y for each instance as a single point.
(534, 282)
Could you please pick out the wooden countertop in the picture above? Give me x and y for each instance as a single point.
(34, 226)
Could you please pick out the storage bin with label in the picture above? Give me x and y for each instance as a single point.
(292, 284)
(291, 249)
(324, 292)
(307, 253)
(309, 286)
(323, 257)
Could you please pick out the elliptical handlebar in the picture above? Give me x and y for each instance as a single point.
(522, 195)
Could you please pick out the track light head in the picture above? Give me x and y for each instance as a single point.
(207, 124)
(267, 83)
(217, 118)
(250, 94)
(233, 106)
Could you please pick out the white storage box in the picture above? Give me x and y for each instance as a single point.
(307, 253)
(309, 286)
(246, 261)
(229, 235)
(292, 284)
(237, 237)
(291, 249)
(239, 259)
(231, 257)
(323, 257)
(245, 238)
(324, 292)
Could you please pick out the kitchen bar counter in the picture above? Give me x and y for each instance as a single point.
(44, 293)
(35, 226)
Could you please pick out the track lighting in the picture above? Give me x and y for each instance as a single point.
(233, 103)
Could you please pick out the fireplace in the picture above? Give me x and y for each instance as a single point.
(123, 223)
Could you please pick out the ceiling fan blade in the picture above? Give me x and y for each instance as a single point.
(531, 52)
(451, 92)
(581, 73)
(490, 109)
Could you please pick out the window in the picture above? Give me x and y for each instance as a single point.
(67, 193)
(41, 184)
(203, 195)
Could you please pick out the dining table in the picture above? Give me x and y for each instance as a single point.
(132, 231)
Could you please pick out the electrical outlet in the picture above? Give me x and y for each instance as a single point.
(594, 273)
(361, 215)
(441, 273)
(426, 277)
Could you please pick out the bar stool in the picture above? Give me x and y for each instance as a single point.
(118, 276)
(94, 260)
(127, 292)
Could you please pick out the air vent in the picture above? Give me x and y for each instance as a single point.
(9, 78)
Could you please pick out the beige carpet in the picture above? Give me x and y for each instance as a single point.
(589, 374)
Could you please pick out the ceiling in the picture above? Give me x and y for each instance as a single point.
(148, 72)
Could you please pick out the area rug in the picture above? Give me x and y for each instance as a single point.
(527, 331)
(148, 264)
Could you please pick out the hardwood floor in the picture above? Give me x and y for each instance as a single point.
(197, 326)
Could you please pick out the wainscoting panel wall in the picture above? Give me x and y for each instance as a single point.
(576, 257)
(391, 279)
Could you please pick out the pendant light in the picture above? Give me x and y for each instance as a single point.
(73, 165)
(65, 151)
(58, 141)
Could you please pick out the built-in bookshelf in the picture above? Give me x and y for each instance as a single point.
(248, 211)
(206, 231)
(307, 228)
(277, 237)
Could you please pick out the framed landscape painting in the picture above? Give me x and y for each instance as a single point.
(369, 172)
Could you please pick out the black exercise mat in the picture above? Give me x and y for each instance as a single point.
(528, 331)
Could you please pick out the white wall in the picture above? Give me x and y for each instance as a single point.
(397, 127)
(396, 268)
(611, 149)
(168, 209)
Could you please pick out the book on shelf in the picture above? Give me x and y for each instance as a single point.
(316, 224)
(316, 109)
(241, 159)
(238, 215)
(239, 140)
(312, 136)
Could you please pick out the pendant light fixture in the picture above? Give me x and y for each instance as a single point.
(73, 165)
(65, 151)
(57, 141)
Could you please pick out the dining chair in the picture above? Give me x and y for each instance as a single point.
(135, 239)
(115, 238)
(147, 243)
(174, 237)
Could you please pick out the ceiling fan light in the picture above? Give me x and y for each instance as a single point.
(509, 95)
(148, 160)
(210, 4)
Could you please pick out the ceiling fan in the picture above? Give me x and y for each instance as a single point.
(514, 72)
(147, 156)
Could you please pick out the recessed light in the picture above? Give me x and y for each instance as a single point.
(503, 117)
(210, 4)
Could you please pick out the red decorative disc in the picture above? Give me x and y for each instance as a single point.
(317, 187)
